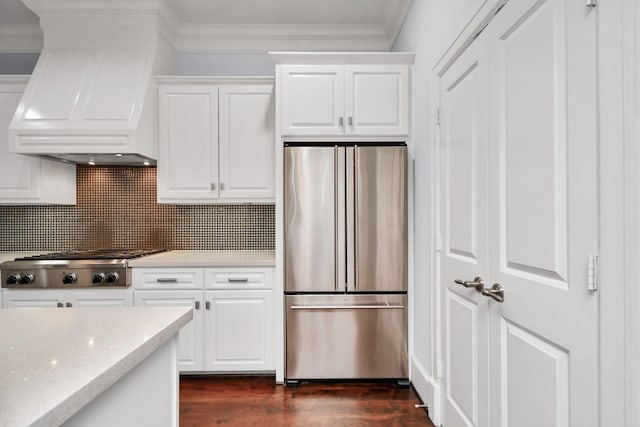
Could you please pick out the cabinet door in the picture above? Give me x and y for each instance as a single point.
(239, 330)
(190, 344)
(247, 143)
(188, 147)
(312, 99)
(100, 298)
(24, 179)
(377, 99)
(33, 298)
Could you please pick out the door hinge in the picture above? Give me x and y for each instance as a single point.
(438, 117)
(590, 3)
(593, 272)
(438, 243)
(438, 369)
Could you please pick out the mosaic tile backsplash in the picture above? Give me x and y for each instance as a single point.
(117, 208)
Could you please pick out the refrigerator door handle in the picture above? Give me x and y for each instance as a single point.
(346, 307)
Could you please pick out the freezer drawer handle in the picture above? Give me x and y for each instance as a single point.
(344, 307)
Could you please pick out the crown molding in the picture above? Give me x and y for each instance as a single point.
(260, 38)
(20, 38)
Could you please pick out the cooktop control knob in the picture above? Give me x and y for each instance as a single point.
(69, 278)
(112, 277)
(98, 278)
(26, 279)
(14, 279)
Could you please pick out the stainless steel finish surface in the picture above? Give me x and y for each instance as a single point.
(309, 210)
(351, 216)
(341, 241)
(345, 307)
(369, 341)
(381, 223)
(496, 292)
(345, 239)
(71, 270)
(477, 283)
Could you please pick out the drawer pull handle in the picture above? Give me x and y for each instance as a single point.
(237, 280)
(167, 279)
(207, 305)
(346, 307)
(197, 305)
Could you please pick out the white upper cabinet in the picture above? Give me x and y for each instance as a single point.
(216, 141)
(338, 95)
(313, 100)
(23, 179)
(188, 155)
(246, 142)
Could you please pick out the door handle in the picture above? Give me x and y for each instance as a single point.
(477, 283)
(496, 292)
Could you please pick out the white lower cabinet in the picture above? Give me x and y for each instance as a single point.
(68, 298)
(239, 330)
(233, 320)
(190, 340)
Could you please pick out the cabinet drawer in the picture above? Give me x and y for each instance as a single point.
(167, 278)
(239, 278)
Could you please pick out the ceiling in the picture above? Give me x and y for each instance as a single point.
(249, 25)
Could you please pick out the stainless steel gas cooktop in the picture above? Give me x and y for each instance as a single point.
(105, 268)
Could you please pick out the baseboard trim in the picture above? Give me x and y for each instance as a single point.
(427, 388)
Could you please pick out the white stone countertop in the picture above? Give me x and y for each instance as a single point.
(53, 362)
(207, 259)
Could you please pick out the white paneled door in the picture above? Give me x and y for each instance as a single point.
(463, 168)
(531, 359)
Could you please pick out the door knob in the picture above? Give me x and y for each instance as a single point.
(496, 292)
(477, 283)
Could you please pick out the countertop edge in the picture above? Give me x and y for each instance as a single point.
(83, 396)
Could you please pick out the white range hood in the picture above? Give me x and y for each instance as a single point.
(92, 95)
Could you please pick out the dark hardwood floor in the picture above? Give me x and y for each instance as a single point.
(258, 401)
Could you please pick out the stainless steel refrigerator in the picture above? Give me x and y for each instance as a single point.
(345, 262)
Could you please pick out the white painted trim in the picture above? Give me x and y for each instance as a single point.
(343, 58)
(214, 80)
(427, 388)
(20, 38)
(393, 22)
(619, 383)
(256, 38)
(631, 40)
(278, 285)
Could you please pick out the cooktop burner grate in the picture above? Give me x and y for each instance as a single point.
(93, 254)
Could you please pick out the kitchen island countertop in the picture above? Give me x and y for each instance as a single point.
(207, 259)
(54, 362)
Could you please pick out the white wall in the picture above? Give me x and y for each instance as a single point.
(430, 28)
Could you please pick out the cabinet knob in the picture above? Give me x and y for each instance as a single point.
(213, 185)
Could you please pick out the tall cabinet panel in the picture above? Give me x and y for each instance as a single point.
(246, 142)
(188, 160)
(24, 179)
